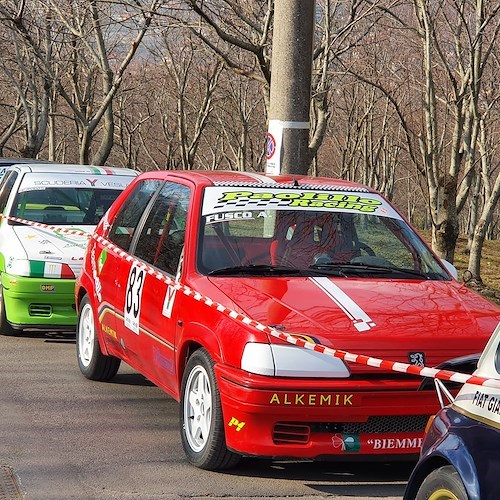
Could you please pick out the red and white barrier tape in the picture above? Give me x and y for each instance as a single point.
(396, 366)
(39, 225)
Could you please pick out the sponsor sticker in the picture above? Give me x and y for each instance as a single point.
(47, 288)
(312, 399)
(395, 443)
(482, 404)
(242, 200)
(348, 443)
(168, 304)
(102, 260)
(236, 423)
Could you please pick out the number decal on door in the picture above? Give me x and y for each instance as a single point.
(133, 297)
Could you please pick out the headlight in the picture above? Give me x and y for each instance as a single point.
(19, 267)
(291, 361)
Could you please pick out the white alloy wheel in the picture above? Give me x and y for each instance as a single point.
(201, 420)
(86, 332)
(198, 408)
(93, 364)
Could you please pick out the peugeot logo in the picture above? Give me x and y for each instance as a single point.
(416, 358)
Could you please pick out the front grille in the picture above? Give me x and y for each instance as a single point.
(404, 423)
(40, 310)
(299, 432)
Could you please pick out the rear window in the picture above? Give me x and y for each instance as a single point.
(68, 200)
(64, 206)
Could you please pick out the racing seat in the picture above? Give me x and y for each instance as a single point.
(312, 238)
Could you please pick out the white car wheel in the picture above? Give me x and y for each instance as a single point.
(86, 335)
(201, 419)
(198, 408)
(92, 362)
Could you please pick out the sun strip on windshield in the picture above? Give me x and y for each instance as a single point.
(219, 199)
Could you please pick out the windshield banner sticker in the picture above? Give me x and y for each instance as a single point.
(35, 182)
(228, 199)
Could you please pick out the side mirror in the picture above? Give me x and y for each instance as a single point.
(450, 268)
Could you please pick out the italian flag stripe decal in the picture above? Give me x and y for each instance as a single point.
(36, 268)
(101, 170)
(39, 269)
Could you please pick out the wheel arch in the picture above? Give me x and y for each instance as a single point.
(451, 451)
(195, 336)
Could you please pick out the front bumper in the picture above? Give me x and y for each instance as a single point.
(328, 418)
(39, 302)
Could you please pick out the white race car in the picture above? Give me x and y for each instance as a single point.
(38, 265)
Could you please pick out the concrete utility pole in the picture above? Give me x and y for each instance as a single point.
(291, 67)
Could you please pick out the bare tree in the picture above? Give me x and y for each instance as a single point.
(89, 57)
(11, 126)
(489, 178)
(239, 129)
(239, 33)
(33, 91)
(455, 42)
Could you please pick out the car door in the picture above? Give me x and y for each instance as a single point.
(113, 270)
(150, 302)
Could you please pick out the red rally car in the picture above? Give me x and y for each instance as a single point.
(186, 266)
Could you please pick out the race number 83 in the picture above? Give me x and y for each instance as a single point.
(133, 297)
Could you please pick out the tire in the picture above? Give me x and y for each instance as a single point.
(93, 364)
(5, 326)
(442, 484)
(201, 420)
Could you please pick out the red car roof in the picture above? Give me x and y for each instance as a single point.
(228, 176)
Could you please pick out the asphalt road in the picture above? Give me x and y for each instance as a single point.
(65, 437)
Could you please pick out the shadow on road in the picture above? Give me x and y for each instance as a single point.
(351, 479)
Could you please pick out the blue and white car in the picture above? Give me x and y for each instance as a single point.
(460, 457)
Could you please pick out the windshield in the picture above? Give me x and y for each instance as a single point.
(269, 232)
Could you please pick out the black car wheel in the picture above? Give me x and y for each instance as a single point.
(442, 484)
(5, 326)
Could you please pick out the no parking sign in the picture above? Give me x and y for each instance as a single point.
(273, 147)
(270, 146)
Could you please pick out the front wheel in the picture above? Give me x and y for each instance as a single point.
(5, 326)
(93, 363)
(442, 484)
(201, 421)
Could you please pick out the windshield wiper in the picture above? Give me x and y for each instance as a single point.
(355, 267)
(254, 269)
(360, 267)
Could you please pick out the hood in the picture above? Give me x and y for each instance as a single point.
(390, 319)
(54, 246)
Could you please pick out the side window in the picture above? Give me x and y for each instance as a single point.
(162, 237)
(6, 186)
(126, 220)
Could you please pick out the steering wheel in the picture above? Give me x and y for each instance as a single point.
(366, 248)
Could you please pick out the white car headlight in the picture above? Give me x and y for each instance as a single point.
(277, 360)
(19, 267)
